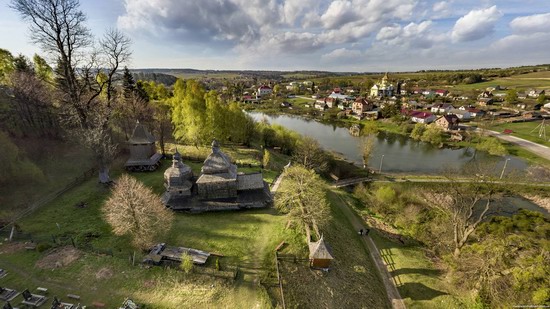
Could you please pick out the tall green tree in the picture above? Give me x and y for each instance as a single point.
(302, 195)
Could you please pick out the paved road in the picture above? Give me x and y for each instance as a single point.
(391, 290)
(349, 182)
(540, 150)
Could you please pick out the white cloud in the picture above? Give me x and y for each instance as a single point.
(389, 32)
(343, 54)
(476, 25)
(531, 24)
(338, 14)
(442, 9)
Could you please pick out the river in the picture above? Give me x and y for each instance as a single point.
(393, 152)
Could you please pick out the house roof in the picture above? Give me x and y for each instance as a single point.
(420, 114)
(141, 135)
(450, 118)
(320, 250)
(250, 181)
(265, 87)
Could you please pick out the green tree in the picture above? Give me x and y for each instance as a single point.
(186, 262)
(16, 168)
(266, 159)
(302, 196)
(6, 65)
(491, 145)
(511, 96)
(418, 131)
(42, 69)
(541, 99)
(367, 147)
(433, 135)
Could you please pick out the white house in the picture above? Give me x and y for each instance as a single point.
(264, 90)
(442, 108)
(422, 117)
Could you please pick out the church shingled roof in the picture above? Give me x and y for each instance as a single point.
(141, 135)
(217, 162)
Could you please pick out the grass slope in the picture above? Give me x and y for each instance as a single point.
(246, 239)
(352, 281)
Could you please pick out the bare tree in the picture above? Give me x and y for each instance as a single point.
(470, 199)
(310, 154)
(85, 76)
(134, 210)
(367, 146)
(58, 27)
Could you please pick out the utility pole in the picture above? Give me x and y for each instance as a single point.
(504, 168)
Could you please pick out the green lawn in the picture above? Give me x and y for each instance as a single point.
(352, 282)
(46, 154)
(421, 283)
(526, 130)
(245, 238)
(521, 82)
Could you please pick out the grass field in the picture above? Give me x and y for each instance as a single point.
(246, 239)
(526, 130)
(352, 281)
(46, 154)
(421, 283)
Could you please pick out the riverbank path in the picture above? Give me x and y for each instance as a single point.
(538, 149)
(391, 290)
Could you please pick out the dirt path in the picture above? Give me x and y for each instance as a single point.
(391, 289)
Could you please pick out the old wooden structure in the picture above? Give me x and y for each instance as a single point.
(143, 152)
(218, 187)
(319, 254)
(161, 253)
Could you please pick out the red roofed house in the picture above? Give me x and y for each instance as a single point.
(422, 117)
(264, 90)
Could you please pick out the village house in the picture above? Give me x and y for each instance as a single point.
(485, 101)
(361, 105)
(143, 152)
(320, 105)
(447, 122)
(422, 117)
(441, 108)
(441, 92)
(533, 93)
(264, 90)
(461, 114)
(485, 94)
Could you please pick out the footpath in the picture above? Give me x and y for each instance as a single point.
(391, 290)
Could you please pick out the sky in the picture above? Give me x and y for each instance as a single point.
(324, 35)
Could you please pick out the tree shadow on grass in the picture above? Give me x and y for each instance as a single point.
(420, 271)
(418, 291)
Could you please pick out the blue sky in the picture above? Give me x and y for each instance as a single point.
(333, 35)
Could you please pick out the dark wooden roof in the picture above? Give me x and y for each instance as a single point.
(141, 135)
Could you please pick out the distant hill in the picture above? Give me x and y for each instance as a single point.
(148, 75)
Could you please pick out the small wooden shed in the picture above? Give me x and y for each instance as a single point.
(319, 254)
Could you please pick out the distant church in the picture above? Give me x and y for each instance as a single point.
(383, 89)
